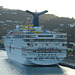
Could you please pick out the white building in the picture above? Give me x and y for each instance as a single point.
(72, 25)
(9, 21)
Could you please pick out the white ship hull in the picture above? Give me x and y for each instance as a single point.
(17, 54)
(25, 61)
(19, 59)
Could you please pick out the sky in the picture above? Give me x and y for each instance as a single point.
(61, 8)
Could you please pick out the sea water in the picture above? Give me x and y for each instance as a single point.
(9, 67)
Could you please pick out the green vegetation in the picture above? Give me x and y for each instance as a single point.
(9, 18)
(71, 54)
(1, 45)
(69, 45)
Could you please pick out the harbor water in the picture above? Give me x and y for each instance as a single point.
(9, 67)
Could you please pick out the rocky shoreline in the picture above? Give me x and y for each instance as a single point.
(67, 62)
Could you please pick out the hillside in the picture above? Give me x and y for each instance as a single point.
(9, 19)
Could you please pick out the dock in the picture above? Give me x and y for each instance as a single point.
(68, 63)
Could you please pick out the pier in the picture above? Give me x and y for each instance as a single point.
(68, 63)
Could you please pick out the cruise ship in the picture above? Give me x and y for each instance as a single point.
(30, 45)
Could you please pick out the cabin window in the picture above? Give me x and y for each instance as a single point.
(38, 54)
(9, 36)
(51, 58)
(47, 44)
(34, 51)
(40, 58)
(61, 57)
(41, 54)
(30, 58)
(28, 44)
(57, 58)
(49, 54)
(35, 58)
(45, 35)
(31, 44)
(44, 54)
(55, 54)
(36, 44)
(46, 58)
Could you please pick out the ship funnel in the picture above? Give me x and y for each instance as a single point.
(35, 20)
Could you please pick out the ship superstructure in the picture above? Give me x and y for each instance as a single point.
(30, 45)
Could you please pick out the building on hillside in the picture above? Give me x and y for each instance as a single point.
(72, 25)
(9, 21)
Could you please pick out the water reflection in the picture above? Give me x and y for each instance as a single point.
(9, 67)
(32, 70)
